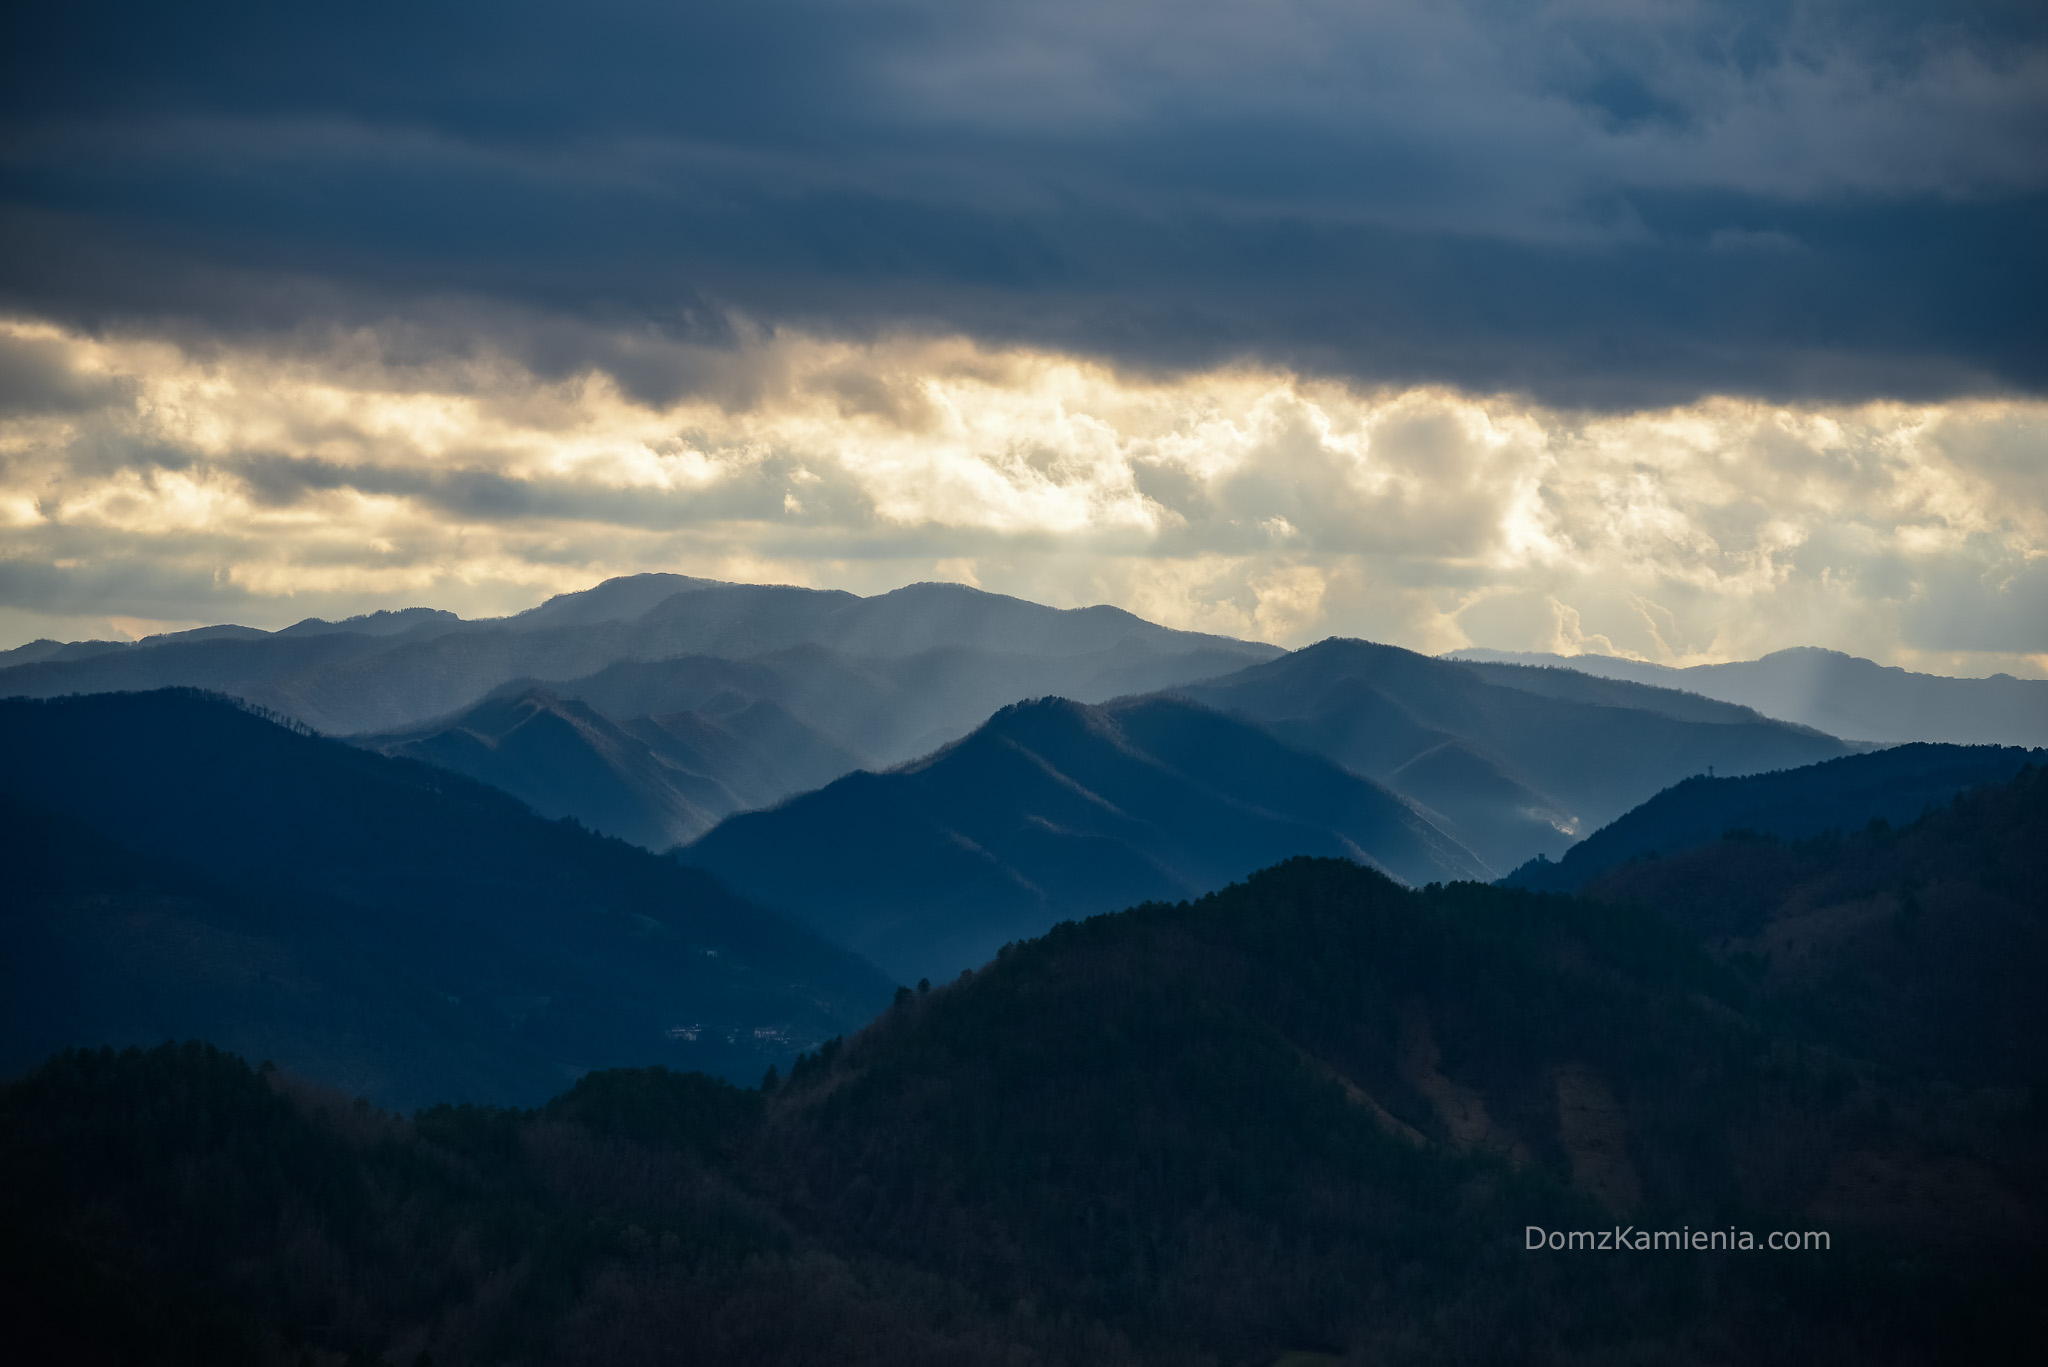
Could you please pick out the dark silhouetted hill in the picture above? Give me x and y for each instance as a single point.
(1511, 772)
(100, 944)
(340, 907)
(1894, 786)
(1051, 810)
(1923, 947)
(1314, 1113)
(1840, 694)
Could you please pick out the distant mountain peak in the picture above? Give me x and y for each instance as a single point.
(1834, 692)
(616, 599)
(385, 622)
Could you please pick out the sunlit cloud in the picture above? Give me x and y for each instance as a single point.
(143, 483)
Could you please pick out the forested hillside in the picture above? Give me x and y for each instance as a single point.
(1923, 947)
(1314, 1112)
(178, 864)
(1896, 785)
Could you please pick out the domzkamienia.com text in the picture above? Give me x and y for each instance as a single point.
(1629, 1239)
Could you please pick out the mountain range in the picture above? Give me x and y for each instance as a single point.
(651, 707)
(1222, 1047)
(760, 727)
(666, 748)
(1836, 693)
(660, 751)
(655, 707)
(1315, 1117)
(1514, 763)
(395, 671)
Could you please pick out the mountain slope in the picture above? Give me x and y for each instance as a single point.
(1512, 772)
(1923, 948)
(655, 781)
(555, 947)
(1051, 810)
(1840, 694)
(1893, 786)
(100, 944)
(1314, 1114)
(1152, 1074)
(657, 751)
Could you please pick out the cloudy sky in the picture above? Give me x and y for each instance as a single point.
(1687, 330)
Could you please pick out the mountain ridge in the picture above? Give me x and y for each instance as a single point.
(1841, 694)
(1052, 809)
(1894, 785)
(347, 681)
(1511, 772)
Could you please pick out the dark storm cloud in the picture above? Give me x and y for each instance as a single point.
(1607, 204)
(476, 495)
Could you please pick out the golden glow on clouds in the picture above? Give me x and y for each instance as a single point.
(164, 485)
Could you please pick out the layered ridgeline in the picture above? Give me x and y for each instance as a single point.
(396, 671)
(1512, 764)
(650, 707)
(657, 779)
(1893, 786)
(1422, 767)
(653, 707)
(180, 866)
(657, 751)
(1314, 1113)
(1054, 810)
(1840, 694)
(703, 737)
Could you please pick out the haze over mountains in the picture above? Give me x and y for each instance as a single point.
(702, 698)
(1840, 694)
(1510, 763)
(1054, 810)
(685, 973)
(657, 707)
(697, 737)
(1139, 1120)
(398, 670)
(656, 780)
(671, 711)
